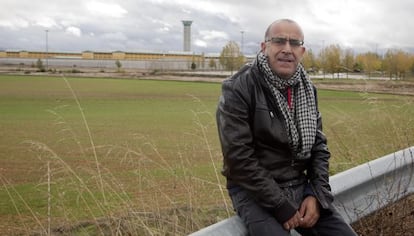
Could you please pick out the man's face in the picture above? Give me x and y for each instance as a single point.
(283, 48)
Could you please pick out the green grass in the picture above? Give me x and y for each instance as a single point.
(361, 126)
(148, 146)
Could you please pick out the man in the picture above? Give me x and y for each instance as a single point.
(275, 154)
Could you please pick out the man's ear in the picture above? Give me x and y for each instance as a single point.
(303, 51)
(262, 46)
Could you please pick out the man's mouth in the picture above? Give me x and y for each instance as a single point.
(285, 60)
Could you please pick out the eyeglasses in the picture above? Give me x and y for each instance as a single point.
(282, 41)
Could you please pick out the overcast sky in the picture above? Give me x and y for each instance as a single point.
(155, 25)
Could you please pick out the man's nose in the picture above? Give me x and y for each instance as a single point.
(287, 48)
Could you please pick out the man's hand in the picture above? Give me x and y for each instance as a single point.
(309, 212)
(293, 222)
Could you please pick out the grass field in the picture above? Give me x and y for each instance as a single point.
(101, 151)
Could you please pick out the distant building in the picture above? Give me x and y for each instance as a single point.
(187, 35)
(149, 60)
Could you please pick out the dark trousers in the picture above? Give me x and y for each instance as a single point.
(260, 222)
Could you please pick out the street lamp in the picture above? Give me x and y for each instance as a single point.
(242, 41)
(323, 58)
(47, 51)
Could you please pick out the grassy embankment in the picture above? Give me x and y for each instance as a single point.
(143, 156)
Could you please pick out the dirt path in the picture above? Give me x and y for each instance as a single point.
(359, 85)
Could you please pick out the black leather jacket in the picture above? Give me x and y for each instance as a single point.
(255, 147)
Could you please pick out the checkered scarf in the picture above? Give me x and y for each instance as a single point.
(301, 120)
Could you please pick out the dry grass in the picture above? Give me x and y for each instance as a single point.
(78, 174)
(396, 219)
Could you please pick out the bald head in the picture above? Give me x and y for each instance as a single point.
(280, 21)
(283, 47)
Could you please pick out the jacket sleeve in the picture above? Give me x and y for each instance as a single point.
(318, 170)
(240, 164)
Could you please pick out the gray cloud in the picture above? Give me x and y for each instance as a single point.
(155, 25)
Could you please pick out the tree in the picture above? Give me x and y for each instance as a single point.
(309, 61)
(118, 65)
(404, 63)
(357, 67)
(40, 66)
(212, 64)
(231, 57)
(370, 61)
(397, 62)
(348, 60)
(412, 64)
(331, 59)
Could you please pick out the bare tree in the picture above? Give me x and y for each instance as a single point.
(231, 57)
(348, 60)
(370, 62)
(331, 59)
(397, 62)
(310, 62)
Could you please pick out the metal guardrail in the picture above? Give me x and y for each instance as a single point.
(358, 192)
(369, 187)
